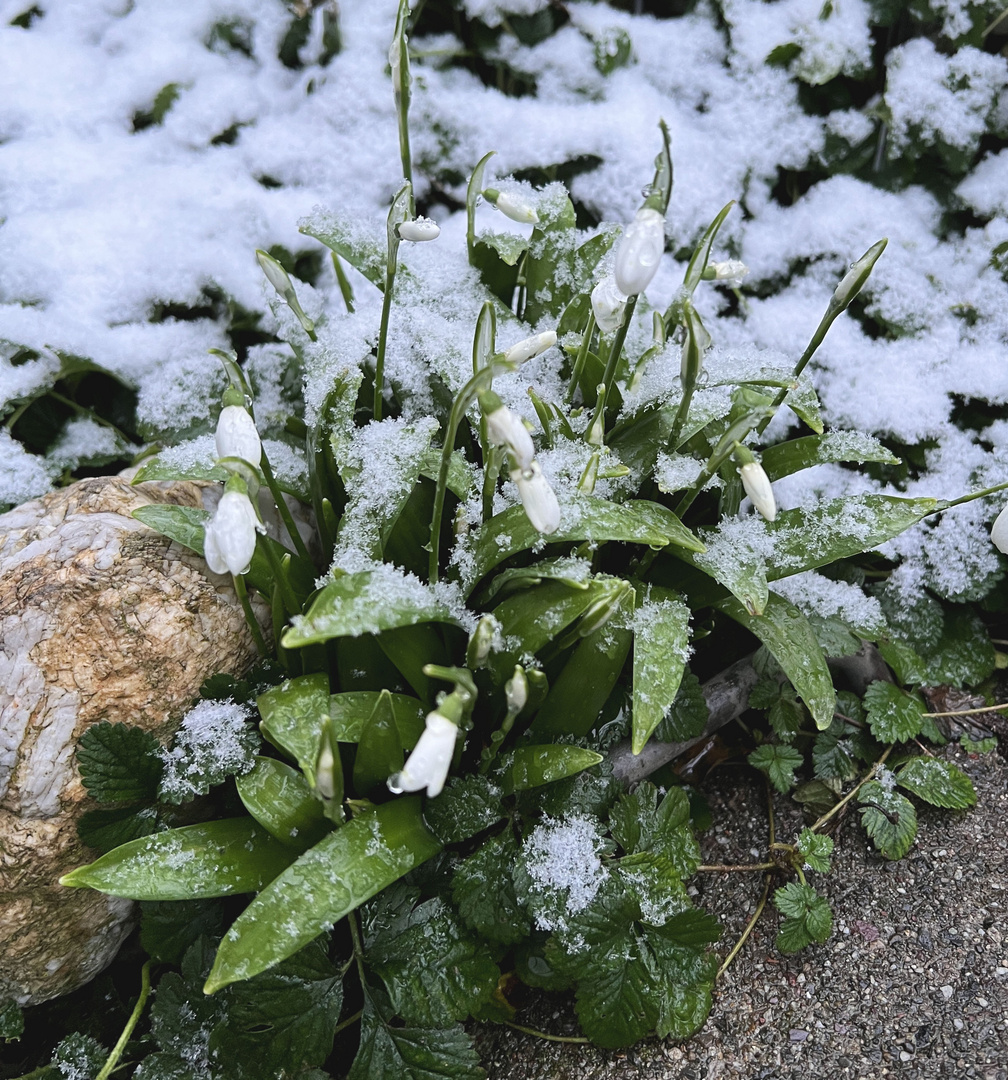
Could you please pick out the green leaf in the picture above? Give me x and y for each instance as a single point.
(474, 192)
(509, 246)
(157, 469)
(217, 858)
(893, 714)
(367, 602)
(833, 755)
(787, 635)
(280, 799)
(351, 710)
(363, 247)
(689, 713)
(379, 751)
(433, 968)
(533, 766)
(327, 882)
(964, 655)
(169, 928)
(740, 570)
(786, 715)
(808, 917)
(109, 827)
(79, 1055)
(11, 1021)
(549, 267)
(410, 1053)
(816, 850)
(639, 823)
(889, 819)
(778, 761)
(937, 782)
(293, 716)
(119, 763)
(483, 891)
(467, 806)
(586, 518)
(785, 458)
(661, 647)
(183, 524)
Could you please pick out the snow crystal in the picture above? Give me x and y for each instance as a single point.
(213, 738)
(562, 859)
(814, 594)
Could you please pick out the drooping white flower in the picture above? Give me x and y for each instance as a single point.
(428, 764)
(516, 691)
(419, 230)
(276, 275)
(230, 537)
(758, 488)
(505, 428)
(639, 251)
(608, 304)
(512, 206)
(538, 498)
(730, 272)
(237, 436)
(999, 531)
(528, 347)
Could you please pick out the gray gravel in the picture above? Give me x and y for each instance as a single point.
(913, 983)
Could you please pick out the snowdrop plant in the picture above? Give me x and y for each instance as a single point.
(407, 839)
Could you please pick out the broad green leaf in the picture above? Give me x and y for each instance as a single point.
(379, 750)
(937, 782)
(351, 710)
(785, 458)
(573, 572)
(816, 850)
(483, 891)
(279, 798)
(661, 646)
(467, 806)
(217, 858)
(367, 602)
(119, 763)
(549, 279)
(803, 401)
(352, 238)
(327, 882)
(889, 819)
(509, 246)
(533, 766)
(435, 971)
(787, 635)
(586, 518)
(740, 569)
(689, 970)
(808, 917)
(460, 477)
(183, 524)
(293, 716)
(157, 469)
(893, 714)
(779, 762)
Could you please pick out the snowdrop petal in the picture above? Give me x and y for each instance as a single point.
(230, 538)
(538, 498)
(505, 428)
(237, 436)
(758, 488)
(428, 764)
(999, 531)
(639, 252)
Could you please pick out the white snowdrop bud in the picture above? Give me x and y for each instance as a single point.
(505, 428)
(639, 251)
(230, 537)
(852, 282)
(236, 435)
(512, 206)
(516, 691)
(608, 304)
(529, 347)
(419, 229)
(758, 488)
(999, 531)
(428, 764)
(538, 498)
(731, 272)
(325, 769)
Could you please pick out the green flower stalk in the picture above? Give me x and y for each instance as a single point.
(278, 277)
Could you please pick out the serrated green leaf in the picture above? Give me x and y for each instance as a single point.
(532, 766)
(367, 602)
(168, 929)
(833, 754)
(893, 714)
(327, 882)
(280, 799)
(467, 806)
(483, 891)
(778, 761)
(889, 819)
(433, 968)
(937, 782)
(639, 822)
(786, 715)
(79, 1055)
(808, 917)
(689, 713)
(217, 858)
(11, 1020)
(661, 647)
(108, 828)
(119, 763)
(964, 655)
(293, 717)
(215, 741)
(816, 850)
(787, 635)
(586, 518)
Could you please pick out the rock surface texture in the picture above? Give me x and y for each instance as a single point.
(101, 619)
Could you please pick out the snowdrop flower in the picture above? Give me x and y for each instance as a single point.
(757, 487)
(505, 428)
(640, 250)
(516, 691)
(512, 206)
(731, 272)
(538, 498)
(530, 347)
(419, 229)
(230, 538)
(276, 275)
(608, 304)
(237, 436)
(427, 766)
(999, 531)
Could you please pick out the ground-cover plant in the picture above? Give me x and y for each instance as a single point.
(507, 615)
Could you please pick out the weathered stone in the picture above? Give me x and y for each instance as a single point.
(101, 618)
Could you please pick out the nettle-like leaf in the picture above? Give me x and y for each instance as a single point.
(889, 819)
(483, 891)
(808, 917)
(11, 1020)
(107, 828)
(779, 762)
(466, 806)
(816, 850)
(893, 714)
(639, 822)
(937, 782)
(689, 713)
(119, 763)
(168, 929)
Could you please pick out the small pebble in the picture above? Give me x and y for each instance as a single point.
(946, 992)
(905, 1055)
(957, 1024)
(797, 1035)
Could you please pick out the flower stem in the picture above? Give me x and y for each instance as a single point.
(282, 508)
(582, 358)
(289, 599)
(850, 794)
(343, 1024)
(748, 929)
(346, 289)
(131, 1023)
(253, 622)
(617, 347)
(379, 379)
(579, 1039)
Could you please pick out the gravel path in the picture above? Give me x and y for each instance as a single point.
(912, 984)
